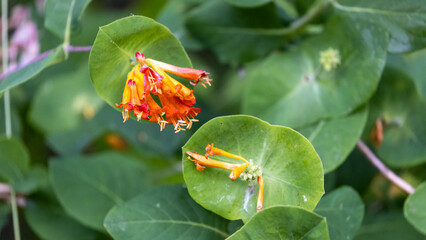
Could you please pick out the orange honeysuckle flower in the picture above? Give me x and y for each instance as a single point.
(150, 78)
(246, 171)
(202, 162)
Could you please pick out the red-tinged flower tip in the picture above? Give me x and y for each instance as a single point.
(194, 75)
(140, 57)
(149, 78)
(132, 102)
(131, 83)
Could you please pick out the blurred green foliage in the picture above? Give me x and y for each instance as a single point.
(86, 175)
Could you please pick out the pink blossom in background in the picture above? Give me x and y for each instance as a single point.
(23, 44)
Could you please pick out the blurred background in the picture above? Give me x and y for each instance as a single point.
(59, 115)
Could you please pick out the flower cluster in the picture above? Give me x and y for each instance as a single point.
(247, 171)
(149, 80)
(330, 59)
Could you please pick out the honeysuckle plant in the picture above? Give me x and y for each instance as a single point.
(313, 127)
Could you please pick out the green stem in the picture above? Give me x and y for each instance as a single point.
(316, 9)
(15, 217)
(5, 59)
(67, 36)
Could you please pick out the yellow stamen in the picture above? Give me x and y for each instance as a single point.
(211, 150)
(236, 169)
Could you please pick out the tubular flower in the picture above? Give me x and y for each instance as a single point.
(149, 77)
(247, 171)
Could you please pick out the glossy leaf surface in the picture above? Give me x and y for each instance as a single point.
(113, 53)
(292, 170)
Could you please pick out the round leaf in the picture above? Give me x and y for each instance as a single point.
(415, 208)
(114, 49)
(283, 222)
(292, 170)
(344, 211)
(290, 88)
(403, 113)
(167, 212)
(88, 187)
(335, 138)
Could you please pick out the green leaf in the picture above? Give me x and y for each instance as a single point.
(290, 88)
(412, 64)
(283, 222)
(65, 101)
(34, 179)
(292, 170)
(335, 138)
(415, 208)
(405, 21)
(344, 211)
(173, 16)
(113, 53)
(247, 3)
(288, 7)
(62, 16)
(87, 187)
(50, 222)
(403, 112)
(255, 31)
(167, 212)
(32, 69)
(387, 226)
(14, 161)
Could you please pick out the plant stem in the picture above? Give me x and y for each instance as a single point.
(15, 217)
(44, 55)
(395, 179)
(79, 48)
(5, 194)
(5, 59)
(317, 8)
